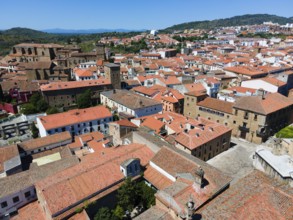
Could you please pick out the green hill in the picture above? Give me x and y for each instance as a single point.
(248, 19)
(13, 36)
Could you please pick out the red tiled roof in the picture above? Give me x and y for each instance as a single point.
(37, 143)
(153, 124)
(216, 104)
(83, 72)
(95, 173)
(74, 84)
(7, 153)
(125, 123)
(156, 178)
(272, 102)
(274, 81)
(74, 117)
(256, 196)
(31, 211)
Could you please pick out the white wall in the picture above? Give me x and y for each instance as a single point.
(259, 84)
(11, 206)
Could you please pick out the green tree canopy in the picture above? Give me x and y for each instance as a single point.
(52, 110)
(35, 131)
(28, 109)
(127, 195)
(42, 105)
(118, 212)
(104, 213)
(84, 100)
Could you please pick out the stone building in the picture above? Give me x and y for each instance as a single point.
(65, 94)
(199, 137)
(31, 52)
(254, 118)
(112, 72)
(190, 102)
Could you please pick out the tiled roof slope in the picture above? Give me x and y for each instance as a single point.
(272, 102)
(217, 104)
(256, 196)
(45, 141)
(74, 117)
(130, 99)
(71, 186)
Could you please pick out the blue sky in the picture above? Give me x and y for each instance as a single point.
(129, 14)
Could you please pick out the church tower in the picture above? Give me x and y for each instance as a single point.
(112, 72)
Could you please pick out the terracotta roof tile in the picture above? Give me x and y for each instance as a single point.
(53, 86)
(272, 102)
(256, 196)
(74, 116)
(216, 104)
(37, 143)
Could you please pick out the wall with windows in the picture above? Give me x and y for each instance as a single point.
(100, 125)
(148, 110)
(209, 149)
(12, 202)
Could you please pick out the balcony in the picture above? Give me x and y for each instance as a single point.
(242, 128)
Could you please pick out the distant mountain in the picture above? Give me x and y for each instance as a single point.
(249, 19)
(87, 31)
(25, 32)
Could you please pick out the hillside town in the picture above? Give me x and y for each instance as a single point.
(197, 125)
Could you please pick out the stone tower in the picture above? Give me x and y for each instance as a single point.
(100, 51)
(112, 72)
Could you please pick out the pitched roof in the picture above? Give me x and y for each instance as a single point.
(183, 168)
(74, 117)
(198, 136)
(125, 123)
(37, 143)
(72, 186)
(272, 102)
(217, 104)
(256, 196)
(130, 99)
(153, 124)
(53, 86)
(7, 153)
(30, 211)
(274, 81)
(21, 85)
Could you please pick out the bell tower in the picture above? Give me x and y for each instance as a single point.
(112, 72)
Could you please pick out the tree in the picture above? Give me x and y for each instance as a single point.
(118, 212)
(28, 109)
(84, 100)
(52, 110)
(35, 131)
(147, 195)
(35, 98)
(104, 213)
(127, 195)
(115, 117)
(42, 105)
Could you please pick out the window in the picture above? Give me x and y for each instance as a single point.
(15, 199)
(4, 204)
(236, 112)
(234, 122)
(246, 115)
(255, 117)
(27, 194)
